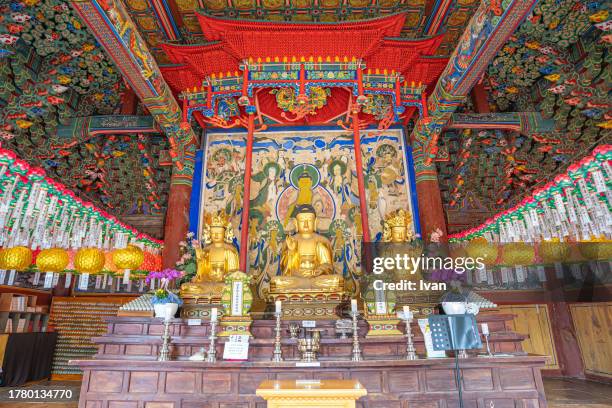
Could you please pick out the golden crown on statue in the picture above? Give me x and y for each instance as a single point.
(218, 219)
(398, 218)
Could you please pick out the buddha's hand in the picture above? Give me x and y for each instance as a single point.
(324, 269)
(291, 243)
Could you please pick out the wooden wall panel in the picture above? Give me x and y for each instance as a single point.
(593, 324)
(534, 321)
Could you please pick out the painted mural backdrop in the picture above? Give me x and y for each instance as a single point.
(314, 167)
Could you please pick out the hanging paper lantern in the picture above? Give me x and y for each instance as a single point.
(554, 251)
(518, 253)
(35, 253)
(596, 249)
(457, 250)
(89, 260)
(17, 258)
(109, 265)
(52, 260)
(480, 248)
(158, 263)
(71, 255)
(149, 262)
(130, 257)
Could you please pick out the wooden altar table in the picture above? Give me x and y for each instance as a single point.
(125, 373)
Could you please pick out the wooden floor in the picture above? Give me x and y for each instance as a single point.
(561, 393)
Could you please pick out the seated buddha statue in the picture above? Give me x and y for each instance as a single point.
(306, 258)
(217, 259)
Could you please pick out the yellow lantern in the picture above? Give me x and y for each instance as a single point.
(52, 260)
(130, 257)
(518, 253)
(596, 249)
(554, 251)
(480, 248)
(89, 260)
(17, 258)
(457, 250)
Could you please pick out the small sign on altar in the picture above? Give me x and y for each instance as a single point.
(237, 298)
(237, 348)
(194, 322)
(309, 324)
(381, 302)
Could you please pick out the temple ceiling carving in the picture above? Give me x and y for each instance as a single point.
(557, 63)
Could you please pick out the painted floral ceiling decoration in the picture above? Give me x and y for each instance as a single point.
(557, 63)
(51, 70)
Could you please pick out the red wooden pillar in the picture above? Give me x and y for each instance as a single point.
(177, 222)
(363, 209)
(564, 333)
(244, 236)
(431, 211)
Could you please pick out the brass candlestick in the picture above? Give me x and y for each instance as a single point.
(356, 349)
(164, 352)
(294, 330)
(277, 356)
(410, 350)
(212, 348)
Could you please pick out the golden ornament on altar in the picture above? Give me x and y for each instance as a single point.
(554, 251)
(596, 249)
(306, 258)
(17, 258)
(480, 248)
(130, 257)
(52, 260)
(518, 253)
(218, 258)
(89, 260)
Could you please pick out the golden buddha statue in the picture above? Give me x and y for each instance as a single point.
(217, 259)
(306, 258)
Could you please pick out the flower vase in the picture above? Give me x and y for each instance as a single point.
(162, 309)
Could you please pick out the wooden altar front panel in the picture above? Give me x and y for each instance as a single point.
(125, 372)
(499, 382)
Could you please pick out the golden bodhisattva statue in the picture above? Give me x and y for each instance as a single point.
(306, 269)
(398, 232)
(398, 227)
(215, 260)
